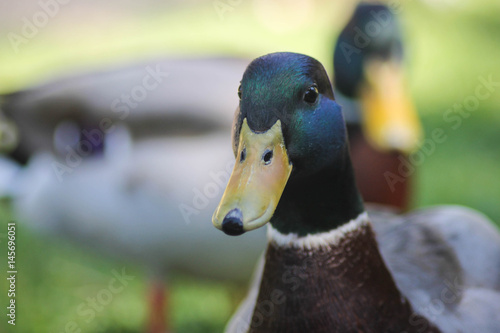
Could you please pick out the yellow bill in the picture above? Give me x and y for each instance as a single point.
(258, 179)
(389, 117)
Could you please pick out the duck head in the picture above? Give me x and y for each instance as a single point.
(292, 162)
(368, 65)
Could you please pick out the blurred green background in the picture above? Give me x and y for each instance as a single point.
(449, 46)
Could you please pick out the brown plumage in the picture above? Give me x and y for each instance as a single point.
(371, 167)
(346, 287)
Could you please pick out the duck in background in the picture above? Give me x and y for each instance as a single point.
(144, 189)
(152, 98)
(329, 266)
(382, 123)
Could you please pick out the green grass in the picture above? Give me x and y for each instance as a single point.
(447, 51)
(464, 169)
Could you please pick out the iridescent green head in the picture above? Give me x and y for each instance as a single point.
(288, 134)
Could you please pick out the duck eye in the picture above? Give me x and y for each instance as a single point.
(311, 94)
(267, 156)
(239, 91)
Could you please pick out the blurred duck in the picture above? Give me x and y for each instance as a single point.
(150, 203)
(330, 266)
(382, 123)
(152, 98)
(144, 189)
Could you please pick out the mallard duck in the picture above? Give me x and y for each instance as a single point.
(382, 124)
(148, 187)
(329, 265)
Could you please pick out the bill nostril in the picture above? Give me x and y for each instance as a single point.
(267, 156)
(243, 155)
(233, 223)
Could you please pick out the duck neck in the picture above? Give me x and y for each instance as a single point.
(335, 282)
(320, 202)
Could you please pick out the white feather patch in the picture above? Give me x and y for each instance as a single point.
(316, 241)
